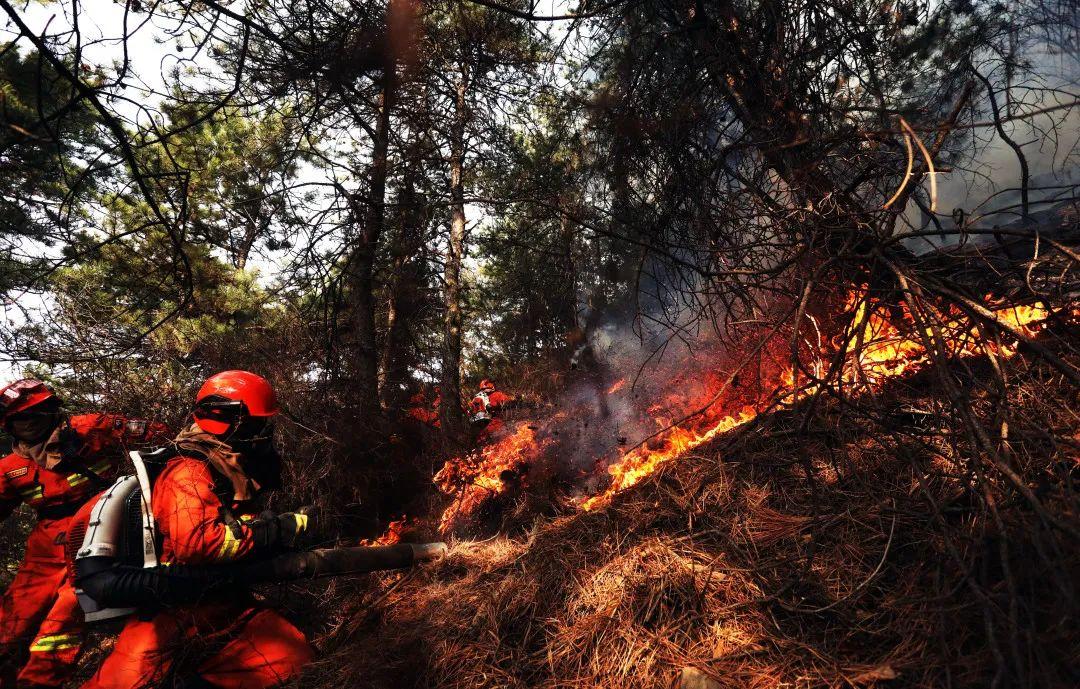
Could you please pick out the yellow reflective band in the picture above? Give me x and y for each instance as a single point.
(55, 642)
(101, 467)
(301, 522)
(76, 480)
(229, 546)
(32, 493)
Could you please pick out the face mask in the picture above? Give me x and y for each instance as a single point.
(262, 463)
(31, 427)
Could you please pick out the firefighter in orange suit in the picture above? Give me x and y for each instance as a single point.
(218, 466)
(58, 462)
(487, 410)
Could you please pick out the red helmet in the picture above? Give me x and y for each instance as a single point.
(487, 386)
(22, 394)
(230, 396)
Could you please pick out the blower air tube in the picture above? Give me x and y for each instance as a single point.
(330, 561)
(116, 585)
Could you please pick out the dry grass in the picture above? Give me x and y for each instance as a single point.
(880, 567)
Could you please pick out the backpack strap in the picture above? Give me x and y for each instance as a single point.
(149, 532)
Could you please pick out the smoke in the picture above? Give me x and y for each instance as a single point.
(984, 190)
(624, 387)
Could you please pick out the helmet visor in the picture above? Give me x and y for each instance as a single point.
(217, 414)
(223, 416)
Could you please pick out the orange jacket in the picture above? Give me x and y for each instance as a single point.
(191, 519)
(495, 404)
(419, 409)
(103, 441)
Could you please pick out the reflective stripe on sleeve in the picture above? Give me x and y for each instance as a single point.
(229, 546)
(76, 480)
(55, 642)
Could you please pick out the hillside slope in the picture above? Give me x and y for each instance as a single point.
(735, 568)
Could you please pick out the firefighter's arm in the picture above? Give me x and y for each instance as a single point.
(193, 518)
(197, 524)
(126, 431)
(157, 433)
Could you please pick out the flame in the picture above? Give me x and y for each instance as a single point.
(479, 475)
(882, 350)
(645, 459)
(888, 352)
(394, 532)
(880, 342)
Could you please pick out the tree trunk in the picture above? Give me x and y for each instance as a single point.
(366, 369)
(251, 233)
(401, 298)
(450, 407)
(568, 302)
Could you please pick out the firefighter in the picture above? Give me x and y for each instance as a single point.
(199, 497)
(487, 410)
(57, 463)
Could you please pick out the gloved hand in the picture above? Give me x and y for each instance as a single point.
(287, 531)
(300, 528)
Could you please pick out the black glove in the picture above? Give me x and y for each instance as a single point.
(298, 529)
(288, 531)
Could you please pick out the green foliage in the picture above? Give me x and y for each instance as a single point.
(122, 321)
(135, 319)
(231, 170)
(47, 140)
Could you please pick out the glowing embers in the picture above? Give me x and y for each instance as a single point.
(488, 471)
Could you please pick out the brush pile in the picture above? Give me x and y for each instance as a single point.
(854, 547)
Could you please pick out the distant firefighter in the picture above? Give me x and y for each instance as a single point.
(487, 410)
(420, 410)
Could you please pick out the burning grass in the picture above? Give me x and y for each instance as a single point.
(877, 345)
(835, 556)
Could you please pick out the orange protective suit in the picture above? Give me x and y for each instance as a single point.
(239, 645)
(420, 410)
(38, 612)
(495, 404)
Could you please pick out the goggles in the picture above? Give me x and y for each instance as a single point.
(235, 414)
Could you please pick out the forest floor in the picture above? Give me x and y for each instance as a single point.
(780, 555)
(784, 554)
